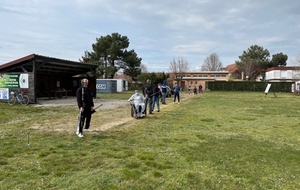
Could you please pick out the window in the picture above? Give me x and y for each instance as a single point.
(201, 75)
(283, 74)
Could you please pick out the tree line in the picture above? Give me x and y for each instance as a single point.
(111, 54)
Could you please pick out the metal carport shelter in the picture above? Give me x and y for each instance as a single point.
(46, 74)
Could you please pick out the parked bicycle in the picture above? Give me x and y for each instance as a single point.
(18, 96)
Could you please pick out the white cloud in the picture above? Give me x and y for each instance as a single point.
(157, 30)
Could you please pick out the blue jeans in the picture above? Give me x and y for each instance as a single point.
(155, 100)
(177, 95)
(163, 97)
(149, 104)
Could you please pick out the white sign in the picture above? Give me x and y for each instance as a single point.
(268, 88)
(23, 81)
(3, 93)
(101, 86)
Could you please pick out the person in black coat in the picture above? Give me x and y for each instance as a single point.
(155, 99)
(85, 105)
(148, 93)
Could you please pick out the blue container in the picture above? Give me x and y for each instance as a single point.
(106, 86)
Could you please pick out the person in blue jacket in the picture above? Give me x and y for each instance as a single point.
(176, 90)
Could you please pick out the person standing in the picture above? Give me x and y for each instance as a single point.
(156, 96)
(195, 90)
(160, 89)
(189, 90)
(148, 93)
(200, 89)
(176, 90)
(86, 105)
(164, 92)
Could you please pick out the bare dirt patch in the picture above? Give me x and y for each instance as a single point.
(112, 113)
(107, 104)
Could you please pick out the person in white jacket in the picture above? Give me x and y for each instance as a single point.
(139, 101)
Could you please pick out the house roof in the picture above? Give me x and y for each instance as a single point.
(231, 68)
(46, 66)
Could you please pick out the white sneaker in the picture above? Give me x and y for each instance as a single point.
(80, 135)
(77, 132)
(89, 129)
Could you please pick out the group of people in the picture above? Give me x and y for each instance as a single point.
(151, 96)
(195, 90)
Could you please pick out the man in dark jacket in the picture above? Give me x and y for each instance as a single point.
(176, 89)
(148, 93)
(86, 105)
(156, 96)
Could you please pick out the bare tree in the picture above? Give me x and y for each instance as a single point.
(143, 68)
(249, 67)
(212, 63)
(178, 67)
(296, 63)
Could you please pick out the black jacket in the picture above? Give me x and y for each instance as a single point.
(148, 90)
(87, 100)
(157, 92)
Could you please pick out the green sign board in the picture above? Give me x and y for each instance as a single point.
(14, 80)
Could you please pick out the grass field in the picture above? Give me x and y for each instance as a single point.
(222, 140)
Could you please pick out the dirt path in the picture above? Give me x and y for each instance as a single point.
(113, 113)
(107, 116)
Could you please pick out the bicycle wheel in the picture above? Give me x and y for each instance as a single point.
(12, 100)
(24, 100)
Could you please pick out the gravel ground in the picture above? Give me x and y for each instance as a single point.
(99, 122)
(71, 101)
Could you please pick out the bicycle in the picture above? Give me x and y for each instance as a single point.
(18, 96)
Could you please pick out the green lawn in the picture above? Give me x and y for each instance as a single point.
(222, 140)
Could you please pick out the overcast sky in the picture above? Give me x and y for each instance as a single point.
(158, 30)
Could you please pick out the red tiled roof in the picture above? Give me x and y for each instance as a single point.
(231, 68)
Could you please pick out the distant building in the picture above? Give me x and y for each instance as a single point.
(196, 78)
(283, 74)
(41, 76)
(234, 72)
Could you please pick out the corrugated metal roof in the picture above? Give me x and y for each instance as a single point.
(46, 66)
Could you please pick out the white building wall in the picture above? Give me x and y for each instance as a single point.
(276, 74)
(283, 75)
(122, 85)
(289, 74)
(296, 74)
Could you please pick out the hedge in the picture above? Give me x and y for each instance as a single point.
(248, 86)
